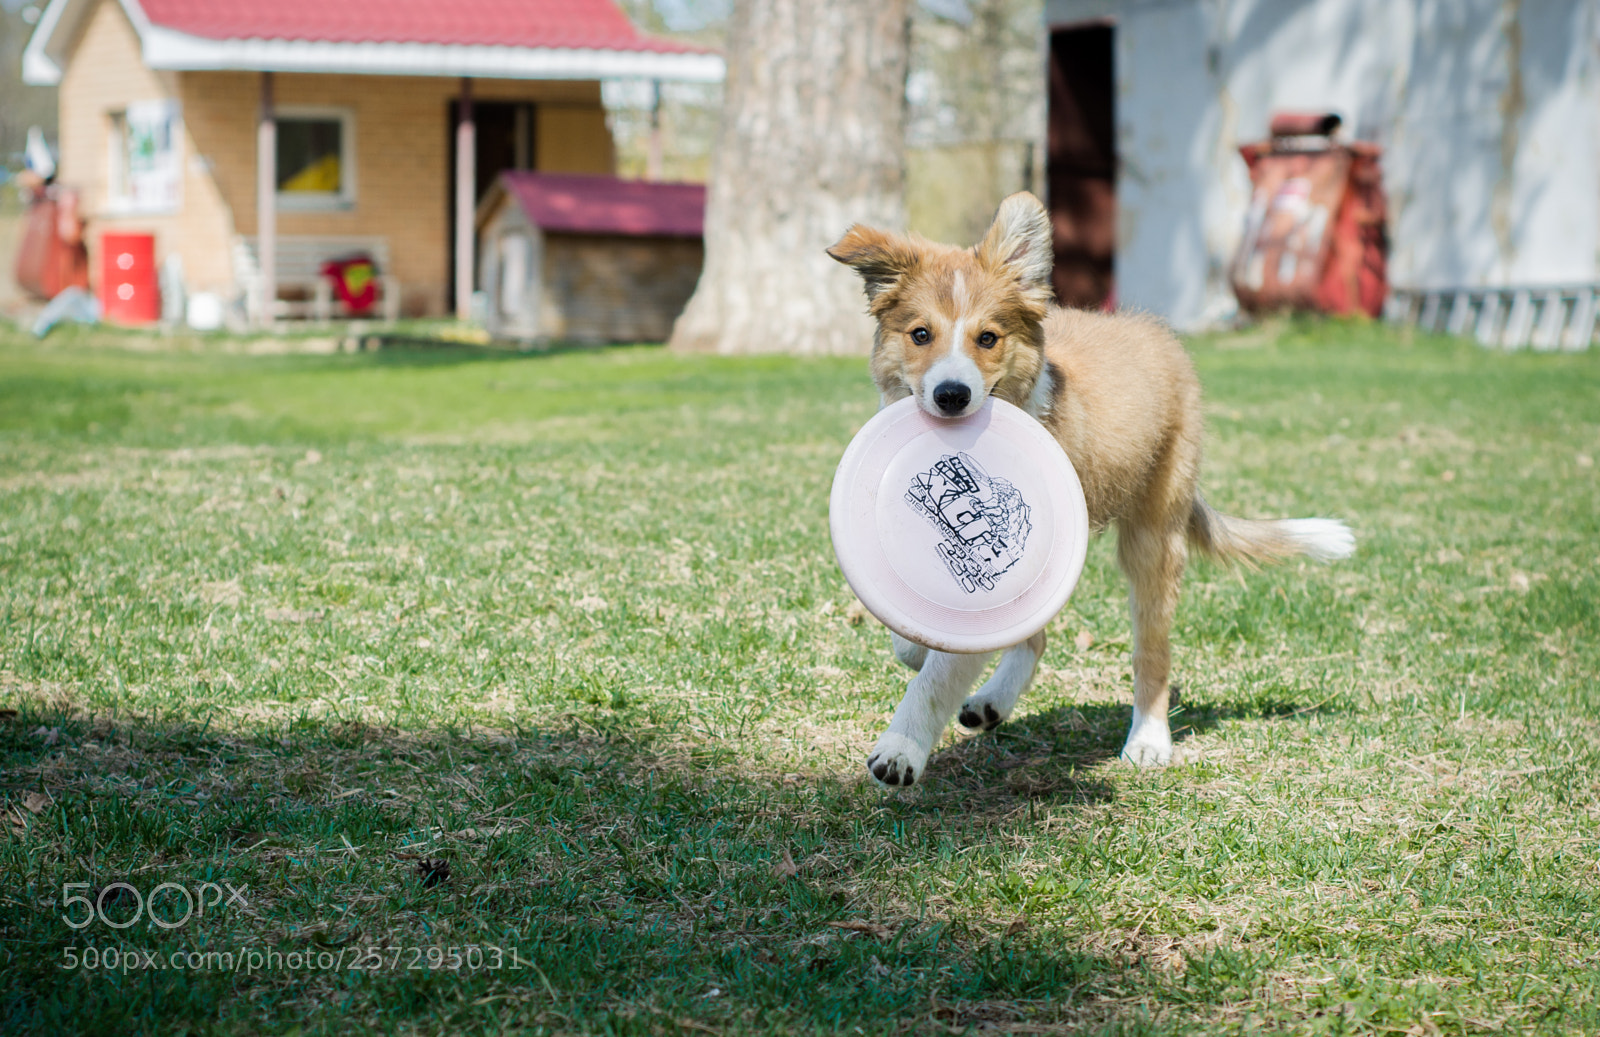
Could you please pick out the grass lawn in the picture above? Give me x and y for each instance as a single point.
(524, 692)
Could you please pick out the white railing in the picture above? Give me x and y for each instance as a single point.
(1545, 318)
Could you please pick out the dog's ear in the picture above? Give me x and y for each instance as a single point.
(1019, 240)
(879, 257)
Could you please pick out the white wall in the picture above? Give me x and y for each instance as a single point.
(1489, 111)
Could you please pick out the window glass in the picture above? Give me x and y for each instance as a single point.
(310, 156)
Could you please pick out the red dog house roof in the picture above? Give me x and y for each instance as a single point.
(606, 205)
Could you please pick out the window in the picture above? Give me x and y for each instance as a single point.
(145, 175)
(316, 158)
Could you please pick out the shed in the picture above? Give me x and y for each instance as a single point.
(590, 259)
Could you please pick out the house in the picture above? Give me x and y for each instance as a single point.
(572, 258)
(258, 140)
(1485, 112)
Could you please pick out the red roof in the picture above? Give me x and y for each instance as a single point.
(606, 205)
(562, 24)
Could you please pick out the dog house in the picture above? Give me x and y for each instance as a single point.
(588, 259)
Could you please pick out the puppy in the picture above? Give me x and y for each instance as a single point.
(1116, 391)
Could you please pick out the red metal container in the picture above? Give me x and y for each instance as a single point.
(52, 257)
(1315, 235)
(129, 290)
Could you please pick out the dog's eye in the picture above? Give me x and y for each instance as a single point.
(921, 336)
(988, 339)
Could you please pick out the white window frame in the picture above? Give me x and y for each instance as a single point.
(322, 201)
(118, 197)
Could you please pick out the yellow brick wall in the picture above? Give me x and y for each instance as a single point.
(104, 74)
(573, 138)
(402, 153)
(402, 134)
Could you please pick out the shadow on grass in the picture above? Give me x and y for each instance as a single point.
(617, 879)
(403, 349)
(1058, 743)
(1048, 756)
(632, 886)
(1045, 756)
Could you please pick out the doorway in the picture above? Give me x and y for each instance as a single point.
(1082, 165)
(505, 136)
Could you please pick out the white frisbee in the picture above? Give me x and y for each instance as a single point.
(964, 534)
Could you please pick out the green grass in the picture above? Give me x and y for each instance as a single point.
(571, 625)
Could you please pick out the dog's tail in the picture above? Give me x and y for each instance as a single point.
(1257, 541)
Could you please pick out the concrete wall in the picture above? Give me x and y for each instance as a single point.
(402, 153)
(952, 192)
(1489, 111)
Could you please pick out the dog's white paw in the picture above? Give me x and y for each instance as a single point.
(896, 761)
(1147, 754)
(1149, 741)
(979, 714)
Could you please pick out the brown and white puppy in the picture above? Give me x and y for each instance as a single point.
(1118, 393)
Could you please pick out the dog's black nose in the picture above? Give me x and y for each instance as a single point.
(951, 397)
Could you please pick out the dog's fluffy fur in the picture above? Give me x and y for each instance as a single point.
(1118, 393)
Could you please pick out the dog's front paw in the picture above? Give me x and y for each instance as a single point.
(896, 761)
(1144, 754)
(1149, 741)
(978, 715)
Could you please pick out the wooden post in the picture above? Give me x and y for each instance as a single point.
(522, 137)
(652, 169)
(466, 201)
(267, 201)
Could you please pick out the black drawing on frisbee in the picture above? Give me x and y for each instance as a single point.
(983, 522)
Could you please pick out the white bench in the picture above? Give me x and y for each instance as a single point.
(299, 269)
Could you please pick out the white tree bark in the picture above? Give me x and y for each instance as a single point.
(812, 140)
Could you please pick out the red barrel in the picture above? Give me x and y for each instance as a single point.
(129, 290)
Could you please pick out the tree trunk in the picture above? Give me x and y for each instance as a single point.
(812, 140)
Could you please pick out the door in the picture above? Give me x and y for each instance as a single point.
(1082, 165)
(504, 135)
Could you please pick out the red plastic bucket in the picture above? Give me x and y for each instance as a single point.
(129, 290)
